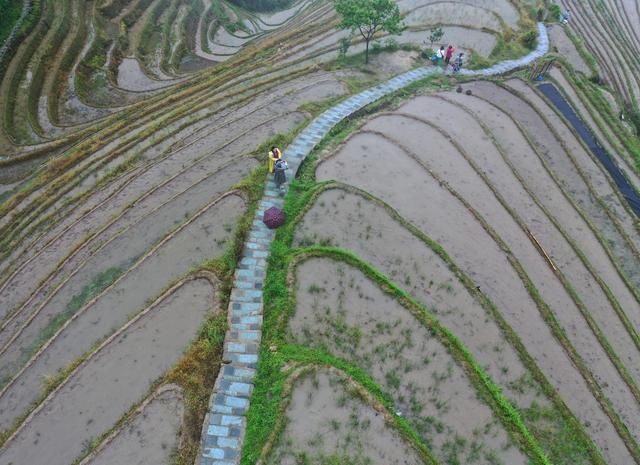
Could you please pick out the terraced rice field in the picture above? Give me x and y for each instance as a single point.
(457, 281)
(478, 219)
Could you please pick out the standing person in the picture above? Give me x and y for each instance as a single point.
(457, 64)
(274, 156)
(565, 17)
(449, 54)
(280, 177)
(441, 55)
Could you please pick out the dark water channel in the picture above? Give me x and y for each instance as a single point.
(630, 194)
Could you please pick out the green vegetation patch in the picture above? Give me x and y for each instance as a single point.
(11, 10)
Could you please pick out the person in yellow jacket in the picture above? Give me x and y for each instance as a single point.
(274, 156)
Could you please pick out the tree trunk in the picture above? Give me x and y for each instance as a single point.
(366, 52)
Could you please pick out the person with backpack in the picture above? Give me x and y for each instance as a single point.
(449, 54)
(280, 177)
(274, 156)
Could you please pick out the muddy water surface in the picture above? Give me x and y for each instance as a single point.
(559, 163)
(101, 390)
(16, 287)
(325, 419)
(459, 13)
(338, 308)
(150, 437)
(203, 238)
(445, 160)
(536, 178)
(503, 8)
(131, 77)
(567, 49)
(350, 221)
(118, 250)
(405, 185)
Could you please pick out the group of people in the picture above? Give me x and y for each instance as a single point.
(277, 167)
(444, 56)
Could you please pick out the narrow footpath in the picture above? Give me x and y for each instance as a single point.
(225, 424)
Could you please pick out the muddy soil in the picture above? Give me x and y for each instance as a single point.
(325, 419)
(28, 249)
(203, 238)
(277, 122)
(445, 160)
(596, 174)
(150, 437)
(352, 222)
(285, 98)
(240, 119)
(339, 309)
(403, 184)
(567, 49)
(116, 247)
(617, 63)
(218, 109)
(105, 387)
(279, 18)
(388, 64)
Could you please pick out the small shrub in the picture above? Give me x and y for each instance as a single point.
(633, 115)
(529, 39)
(436, 34)
(555, 13)
(595, 78)
(345, 43)
(391, 45)
(427, 53)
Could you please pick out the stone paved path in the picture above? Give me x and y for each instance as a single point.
(225, 424)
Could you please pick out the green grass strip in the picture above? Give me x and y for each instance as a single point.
(483, 382)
